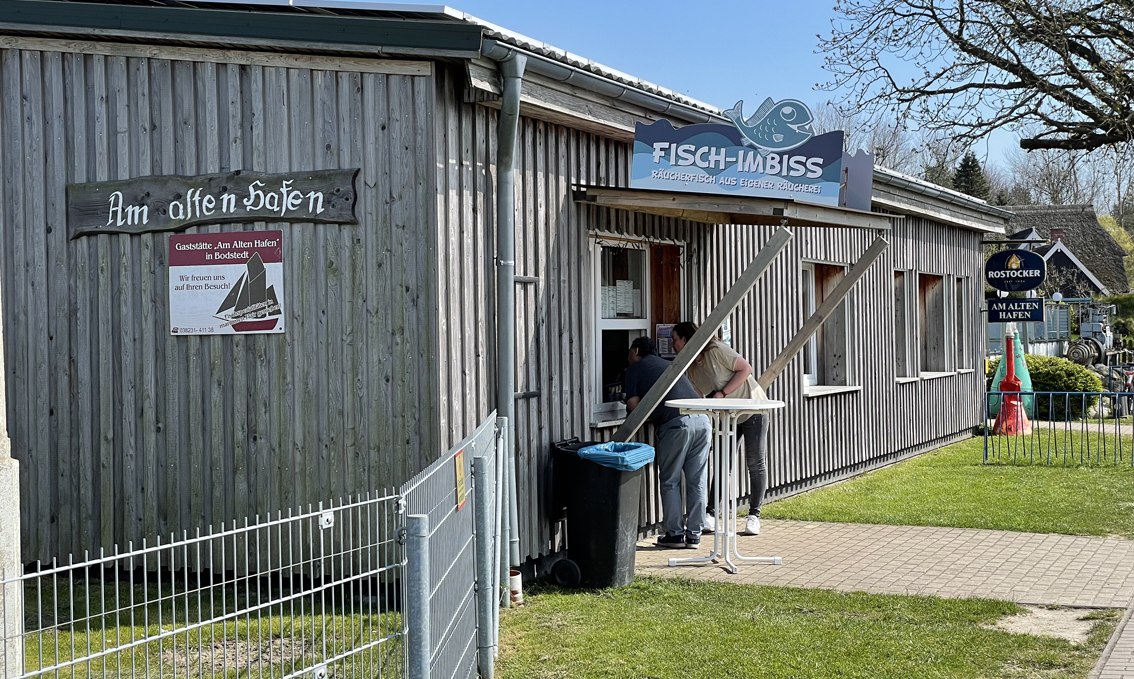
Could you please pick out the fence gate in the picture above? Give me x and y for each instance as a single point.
(439, 506)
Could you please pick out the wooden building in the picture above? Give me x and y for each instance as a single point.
(127, 430)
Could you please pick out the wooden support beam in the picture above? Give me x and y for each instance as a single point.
(825, 309)
(681, 363)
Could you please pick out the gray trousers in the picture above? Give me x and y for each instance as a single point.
(683, 450)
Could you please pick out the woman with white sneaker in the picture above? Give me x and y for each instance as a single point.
(720, 372)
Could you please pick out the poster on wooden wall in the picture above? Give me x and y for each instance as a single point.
(226, 283)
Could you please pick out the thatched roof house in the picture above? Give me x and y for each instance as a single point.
(1082, 257)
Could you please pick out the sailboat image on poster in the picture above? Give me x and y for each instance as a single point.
(252, 304)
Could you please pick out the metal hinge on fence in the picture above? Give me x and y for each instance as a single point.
(401, 537)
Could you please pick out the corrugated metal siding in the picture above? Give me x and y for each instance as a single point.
(812, 441)
(124, 431)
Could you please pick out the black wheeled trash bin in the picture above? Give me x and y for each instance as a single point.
(602, 515)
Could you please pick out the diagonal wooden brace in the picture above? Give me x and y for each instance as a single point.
(681, 363)
(812, 325)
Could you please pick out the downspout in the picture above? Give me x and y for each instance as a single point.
(512, 64)
(512, 70)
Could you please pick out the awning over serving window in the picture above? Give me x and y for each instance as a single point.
(715, 209)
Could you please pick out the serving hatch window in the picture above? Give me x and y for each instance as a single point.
(637, 287)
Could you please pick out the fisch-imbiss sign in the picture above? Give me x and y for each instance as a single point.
(1015, 270)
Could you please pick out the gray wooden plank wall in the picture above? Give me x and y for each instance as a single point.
(553, 327)
(124, 431)
(812, 441)
(817, 439)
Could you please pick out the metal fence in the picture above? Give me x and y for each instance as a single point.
(446, 559)
(1059, 428)
(314, 593)
(365, 587)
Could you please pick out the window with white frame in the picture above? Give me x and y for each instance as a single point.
(637, 286)
(827, 354)
(810, 363)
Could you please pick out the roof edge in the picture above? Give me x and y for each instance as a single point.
(1060, 246)
(223, 25)
(885, 175)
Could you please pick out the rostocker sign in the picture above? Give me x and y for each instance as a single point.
(1015, 270)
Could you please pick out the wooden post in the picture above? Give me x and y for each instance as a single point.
(825, 309)
(681, 363)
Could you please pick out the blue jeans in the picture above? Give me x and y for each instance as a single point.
(683, 448)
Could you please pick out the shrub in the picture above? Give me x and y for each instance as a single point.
(1051, 373)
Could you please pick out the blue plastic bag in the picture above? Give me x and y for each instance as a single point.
(626, 457)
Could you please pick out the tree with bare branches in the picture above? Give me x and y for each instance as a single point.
(965, 67)
(1057, 177)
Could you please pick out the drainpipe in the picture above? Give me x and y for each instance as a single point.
(512, 70)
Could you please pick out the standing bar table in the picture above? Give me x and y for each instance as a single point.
(724, 414)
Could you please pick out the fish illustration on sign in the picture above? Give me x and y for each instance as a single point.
(252, 303)
(774, 126)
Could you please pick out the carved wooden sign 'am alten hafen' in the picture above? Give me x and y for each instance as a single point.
(174, 202)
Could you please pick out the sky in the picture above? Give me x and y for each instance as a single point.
(716, 51)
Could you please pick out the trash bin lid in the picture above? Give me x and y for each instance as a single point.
(626, 457)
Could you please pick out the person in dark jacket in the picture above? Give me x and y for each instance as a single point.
(682, 447)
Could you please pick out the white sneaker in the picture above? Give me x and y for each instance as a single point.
(709, 525)
(752, 525)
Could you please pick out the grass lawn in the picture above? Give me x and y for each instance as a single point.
(952, 487)
(662, 628)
